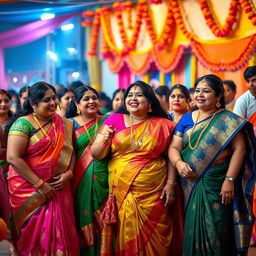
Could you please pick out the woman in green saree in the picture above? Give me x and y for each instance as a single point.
(90, 181)
(208, 151)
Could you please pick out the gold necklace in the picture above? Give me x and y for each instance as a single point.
(137, 144)
(202, 132)
(44, 132)
(95, 130)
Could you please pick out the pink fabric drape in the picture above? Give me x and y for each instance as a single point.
(26, 34)
(124, 77)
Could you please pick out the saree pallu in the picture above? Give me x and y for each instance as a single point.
(90, 187)
(213, 228)
(45, 227)
(136, 178)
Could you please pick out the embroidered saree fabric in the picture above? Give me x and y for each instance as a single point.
(90, 187)
(44, 227)
(136, 178)
(213, 228)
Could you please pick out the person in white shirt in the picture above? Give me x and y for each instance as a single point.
(245, 105)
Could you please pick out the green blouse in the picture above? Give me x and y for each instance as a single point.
(22, 127)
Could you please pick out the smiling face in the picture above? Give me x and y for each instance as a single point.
(89, 103)
(118, 100)
(136, 103)
(4, 104)
(65, 100)
(205, 97)
(178, 101)
(47, 105)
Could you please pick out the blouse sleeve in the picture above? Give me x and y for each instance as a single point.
(21, 127)
(180, 127)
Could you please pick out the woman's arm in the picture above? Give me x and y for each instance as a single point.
(102, 143)
(175, 148)
(16, 146)
(239, 148)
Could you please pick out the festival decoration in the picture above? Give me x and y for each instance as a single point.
(250, 10)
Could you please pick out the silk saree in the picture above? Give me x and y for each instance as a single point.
(90, 188)
(213, 228)
(136, 178)
(44, 227)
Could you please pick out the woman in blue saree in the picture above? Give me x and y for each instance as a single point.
(210, 153)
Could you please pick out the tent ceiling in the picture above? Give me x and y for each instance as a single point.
(28, 11)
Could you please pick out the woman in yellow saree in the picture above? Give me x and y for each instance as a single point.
(217, 173)
(40, 151)
(136, 138)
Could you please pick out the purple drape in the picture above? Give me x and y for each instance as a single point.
(26, 34)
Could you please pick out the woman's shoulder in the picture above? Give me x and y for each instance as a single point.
(163, 121)
(22, 125)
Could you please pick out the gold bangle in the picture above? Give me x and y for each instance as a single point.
(230, 179)
(172, 182)
(38, 184)
(175, 162)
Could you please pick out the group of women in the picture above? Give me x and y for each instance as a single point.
(129, 182)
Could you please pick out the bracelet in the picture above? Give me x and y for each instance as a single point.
(230, 179)
(71, 173)
(172, 182)
(38, 184)
(103, 143)
(175, 162)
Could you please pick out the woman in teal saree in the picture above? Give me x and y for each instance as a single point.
(90, 181)
(216, 168)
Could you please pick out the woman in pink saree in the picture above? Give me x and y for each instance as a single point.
(40, 154)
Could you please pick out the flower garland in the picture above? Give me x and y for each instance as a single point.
(220, 31)
(232, 66)
(88, 15)
(95, 33)
(178, 18)
(128, 7)
(168, 29)
(250, 10)
(155, 1)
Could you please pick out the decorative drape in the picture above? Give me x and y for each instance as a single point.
(26, 34)
(220, 34)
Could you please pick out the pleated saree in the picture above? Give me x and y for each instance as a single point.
(136, 178)
(213, 228)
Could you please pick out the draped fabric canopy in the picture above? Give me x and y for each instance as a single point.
(26, 34)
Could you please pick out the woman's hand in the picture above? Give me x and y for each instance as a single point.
(169, 194)
(227, 191)
(61, 180)
(108, 134)
(47, 191)
(184, 170)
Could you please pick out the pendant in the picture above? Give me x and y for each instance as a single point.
(136, 144)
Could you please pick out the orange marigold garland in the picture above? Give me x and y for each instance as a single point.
(250, 10)
(168, 29)
(155, 1)
(88, 15)
(95, 33)
(178, 18)
(220, 31)
(128, 7)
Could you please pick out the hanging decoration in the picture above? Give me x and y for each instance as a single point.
(220, 31)
(121, 44)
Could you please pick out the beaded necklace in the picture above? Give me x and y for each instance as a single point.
(95, 130)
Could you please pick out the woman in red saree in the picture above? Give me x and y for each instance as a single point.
(40, 151)
(136, 138)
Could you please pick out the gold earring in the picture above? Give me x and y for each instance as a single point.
(78, 111)
(218, 104)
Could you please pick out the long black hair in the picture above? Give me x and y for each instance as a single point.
(216, 84)
(35, 95)
(149, 93)
(62, 92)
(79, 93)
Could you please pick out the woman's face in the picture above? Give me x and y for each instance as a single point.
(65, 100)
(89, 103)
(178, 101)
(118, 100)
(136, 103)
(47, 105)
(205, 96)
(229, 94)
(23, 97)
(4, 104)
